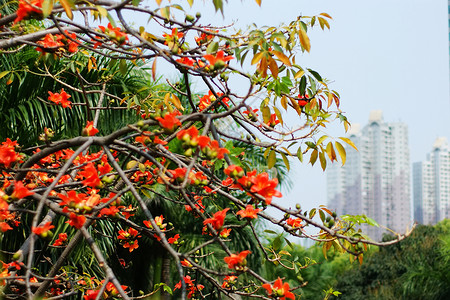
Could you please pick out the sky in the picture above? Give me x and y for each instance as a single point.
(379, 55)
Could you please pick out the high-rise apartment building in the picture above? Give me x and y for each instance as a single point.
(375, 180)
(431, 185)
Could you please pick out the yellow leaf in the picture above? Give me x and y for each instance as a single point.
(304, 39)
(341, 151)
(3, 74)
(191, 2)
(257, 57)
(299, 74)
(296, 106)
(313, 157)
(167, 99)
(154, 69)
(266, 114)
(330, 151)
(47, 7)
(165, 12)
(103, 12)
(273, 67)
(281, 56)
(326, 15)
(286, 161)
(176, 101)
(323, 161)
(158, 2)
(263, 67)
(300, 154)
(284, 102)
(287, 151)
(321, 139)
(258, 2)
(330, 99)
(348, 141)
(66, 5)
(278, 113)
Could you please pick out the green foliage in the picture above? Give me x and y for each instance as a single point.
(415, 268)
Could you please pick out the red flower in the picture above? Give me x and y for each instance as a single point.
(25, 10)
(169, 122)
(217, 220)
(249, 212)
(76, 220)
(174, 240)
(206, 100)
(90, 175)
(303, 100)
(229, 281)
(40, 230)
(8, 155)
(279, 290)
(114, 33)
(234, 171)
(89, 130)
(175, 36)
(60, 98)
(129, 238)
(225, 233)
(273, 120)
(218, 61)
(265, 187)
(20, 191)
(237, 261)
(216, 151)
(204, 38)
(62, 237)
(50, 43)
(186, 61)
(91, 294)
(294, 223)
(191, 138)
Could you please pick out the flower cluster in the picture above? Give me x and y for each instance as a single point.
(259, 184)
(237, 261)
(190, 286)
(128, 238)
(60, 98)
(279, 290)
(8, 155)
(59, 43)
(28, 8)
(115, 34)
(208, 99)
(191, 140)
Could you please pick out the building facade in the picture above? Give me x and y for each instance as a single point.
(431, 180)
(375, 180)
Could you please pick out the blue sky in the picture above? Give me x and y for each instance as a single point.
(388, 55)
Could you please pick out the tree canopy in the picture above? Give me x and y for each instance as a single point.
(117, 182)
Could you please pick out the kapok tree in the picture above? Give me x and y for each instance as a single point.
(182, 151)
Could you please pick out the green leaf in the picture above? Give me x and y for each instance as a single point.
(312, 213)
(165, 12)
(322, 215)
(315, 74)
(302, 86)
(4, 73)
(272, 159)
(123, 66)
(218, 5)
(289, 244)
(270, 231)
(341, 151)
(277, 242)
(212, 48)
